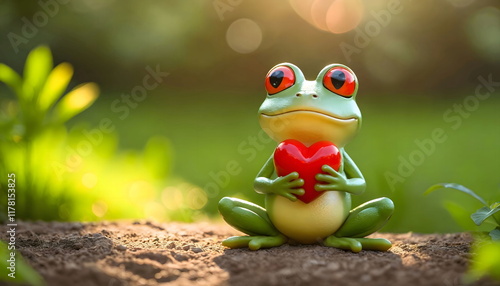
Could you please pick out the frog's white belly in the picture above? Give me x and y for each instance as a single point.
(308, 223)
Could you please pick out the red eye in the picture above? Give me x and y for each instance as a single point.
(279, 79)
(340, 81)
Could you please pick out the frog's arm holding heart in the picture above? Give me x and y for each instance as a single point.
(348, 179)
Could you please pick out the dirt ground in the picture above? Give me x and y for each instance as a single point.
(145, 253)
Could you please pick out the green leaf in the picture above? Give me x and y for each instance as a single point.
(483, 213)
(495, 205)
(496, 216)
(485, 261)
(23, 271)
(75, 101)
(458, 188)
(495, 234)
(11, 78)
(56, 84)
(37, 67)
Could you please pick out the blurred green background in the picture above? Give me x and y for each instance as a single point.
(164, 152)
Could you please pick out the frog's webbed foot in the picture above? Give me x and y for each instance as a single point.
(254, 242)
(252, 220)
(362, 221)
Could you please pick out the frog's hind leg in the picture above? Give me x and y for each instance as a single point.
(252, 220)
(362, 221)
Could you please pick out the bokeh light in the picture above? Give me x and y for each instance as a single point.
(154, 210)
(89, 180)
(483, 30)
(172, 198)
(337, 17)
(244, 36)
(344, 15)
(182, 196)
(141, 191)
(99, 208)
(197, 198)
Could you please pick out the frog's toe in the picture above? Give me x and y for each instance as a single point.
(237, 241)
(259, 242)
(254, 242)
(357, 244)
(346, 243)
(379, 244)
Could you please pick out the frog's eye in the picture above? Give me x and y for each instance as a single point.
(279, 79)
(340, 81)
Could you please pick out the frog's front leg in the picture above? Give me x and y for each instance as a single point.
(252, 220)
(362, 221)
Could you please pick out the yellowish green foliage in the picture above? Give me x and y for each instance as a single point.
(80, 174)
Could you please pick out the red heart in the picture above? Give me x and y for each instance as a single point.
(293, 156)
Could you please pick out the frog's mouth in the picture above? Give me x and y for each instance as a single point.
(329, 116)
(309, 126)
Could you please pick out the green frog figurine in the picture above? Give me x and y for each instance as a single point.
(304, 115)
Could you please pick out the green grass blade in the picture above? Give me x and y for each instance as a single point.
(11, 78)
(458, 188)
(37, 68)
(56, 84)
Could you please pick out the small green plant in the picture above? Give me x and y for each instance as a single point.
(33, 132)
(488, 213)
(486, 248)
(62, 174)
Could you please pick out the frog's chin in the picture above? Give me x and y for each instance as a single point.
(309, 127)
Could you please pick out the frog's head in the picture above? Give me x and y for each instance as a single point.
(311, 111)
